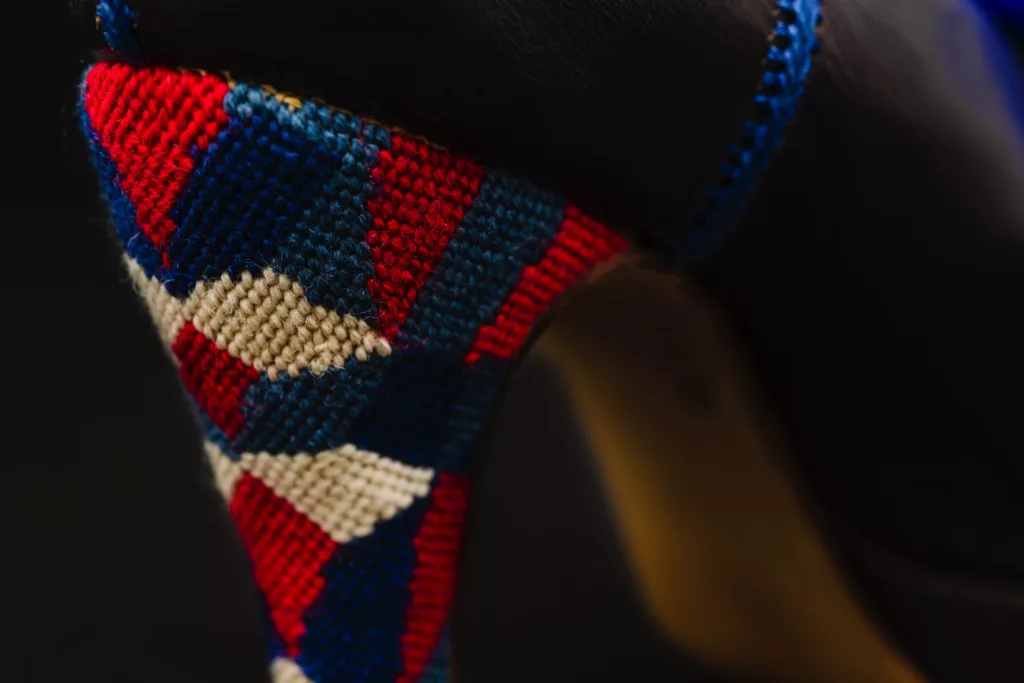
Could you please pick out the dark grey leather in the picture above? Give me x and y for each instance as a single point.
(878, 279)
(879, 276)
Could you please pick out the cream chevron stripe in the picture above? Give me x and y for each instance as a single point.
(345, 491)
(264, 320)
(284, 670)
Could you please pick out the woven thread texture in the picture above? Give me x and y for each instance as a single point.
(342, 301)
(791, 47)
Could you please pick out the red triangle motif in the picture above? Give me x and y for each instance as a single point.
(217, 380)
(432, 585)
(287, 551)
(151, 121)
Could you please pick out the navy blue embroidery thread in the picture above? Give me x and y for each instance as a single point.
(117, 21)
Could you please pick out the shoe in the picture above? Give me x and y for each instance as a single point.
(345, 299)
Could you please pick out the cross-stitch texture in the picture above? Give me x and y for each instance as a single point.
(342, 301)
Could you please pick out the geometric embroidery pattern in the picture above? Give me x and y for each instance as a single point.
(343, 301)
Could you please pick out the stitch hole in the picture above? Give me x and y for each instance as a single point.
(782, 41)
(787, 15)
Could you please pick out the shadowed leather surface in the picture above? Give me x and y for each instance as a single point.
(878, 278)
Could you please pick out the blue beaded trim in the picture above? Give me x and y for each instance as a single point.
(791, 47)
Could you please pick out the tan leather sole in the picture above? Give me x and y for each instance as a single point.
(723, 549)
